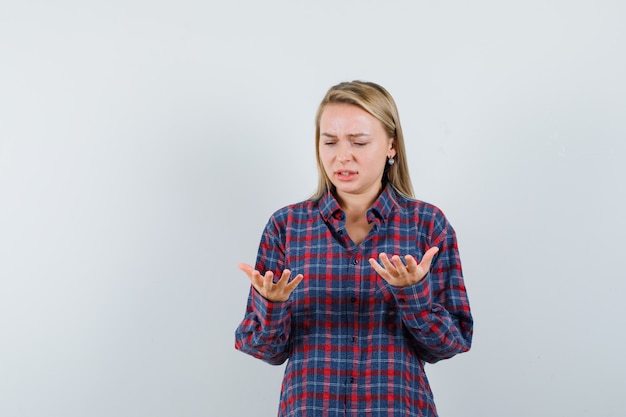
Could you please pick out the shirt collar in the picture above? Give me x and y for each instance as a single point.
(383, 205)
(329, 207)
(381, 208)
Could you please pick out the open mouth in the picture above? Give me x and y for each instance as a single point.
(345, 174)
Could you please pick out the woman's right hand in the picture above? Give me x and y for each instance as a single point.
(273, 291)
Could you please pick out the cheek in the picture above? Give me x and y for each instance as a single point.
(325, 156)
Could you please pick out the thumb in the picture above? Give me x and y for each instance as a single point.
(428, 257)
(246, 268)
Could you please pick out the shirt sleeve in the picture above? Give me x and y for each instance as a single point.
(265, 329)
(436, 310)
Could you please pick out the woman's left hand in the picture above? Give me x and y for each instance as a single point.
(396, 273)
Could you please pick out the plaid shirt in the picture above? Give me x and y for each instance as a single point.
(355, 345)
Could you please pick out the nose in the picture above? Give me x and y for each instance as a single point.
(344, 151)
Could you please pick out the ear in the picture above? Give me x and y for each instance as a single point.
(392, 148)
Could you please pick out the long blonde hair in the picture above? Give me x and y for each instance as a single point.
(377, 101)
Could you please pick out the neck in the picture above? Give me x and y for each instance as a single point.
(356, 203)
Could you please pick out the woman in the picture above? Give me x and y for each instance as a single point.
(356, 334)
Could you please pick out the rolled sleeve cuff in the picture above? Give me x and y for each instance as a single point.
(414, 299)
(271, 314)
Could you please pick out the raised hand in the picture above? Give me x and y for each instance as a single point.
(396, 273)
(264, 284)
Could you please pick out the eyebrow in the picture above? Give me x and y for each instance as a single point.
(351, 135)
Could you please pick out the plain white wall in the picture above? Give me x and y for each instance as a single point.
(143, 145)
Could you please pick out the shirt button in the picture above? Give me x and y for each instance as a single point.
(402, 301)
(353, 299)
(352, 380)
(353, 339)
(355, 261)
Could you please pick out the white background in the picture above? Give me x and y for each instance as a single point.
(144, 144)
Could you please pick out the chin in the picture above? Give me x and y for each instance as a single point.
(349, 190)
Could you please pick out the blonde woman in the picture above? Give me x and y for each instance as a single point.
(359, 286)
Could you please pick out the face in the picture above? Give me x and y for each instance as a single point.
(353, 149)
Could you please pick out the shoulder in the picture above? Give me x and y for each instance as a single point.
(424, 213)
(291, 220)
(296, 212)
(412, 206)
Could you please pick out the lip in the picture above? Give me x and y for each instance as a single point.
(345, 174)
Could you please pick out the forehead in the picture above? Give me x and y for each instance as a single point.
(340, 117)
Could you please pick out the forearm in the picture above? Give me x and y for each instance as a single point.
(437, 332)
(264, 331)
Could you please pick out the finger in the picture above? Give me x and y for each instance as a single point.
(247, 269)
(268, 279)
(428, 257)
(256, 280)
(411, 263)
(386, 263)
(397, 262)
(376, 266)
(284, 277)
(253, 275)
(294, 283)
